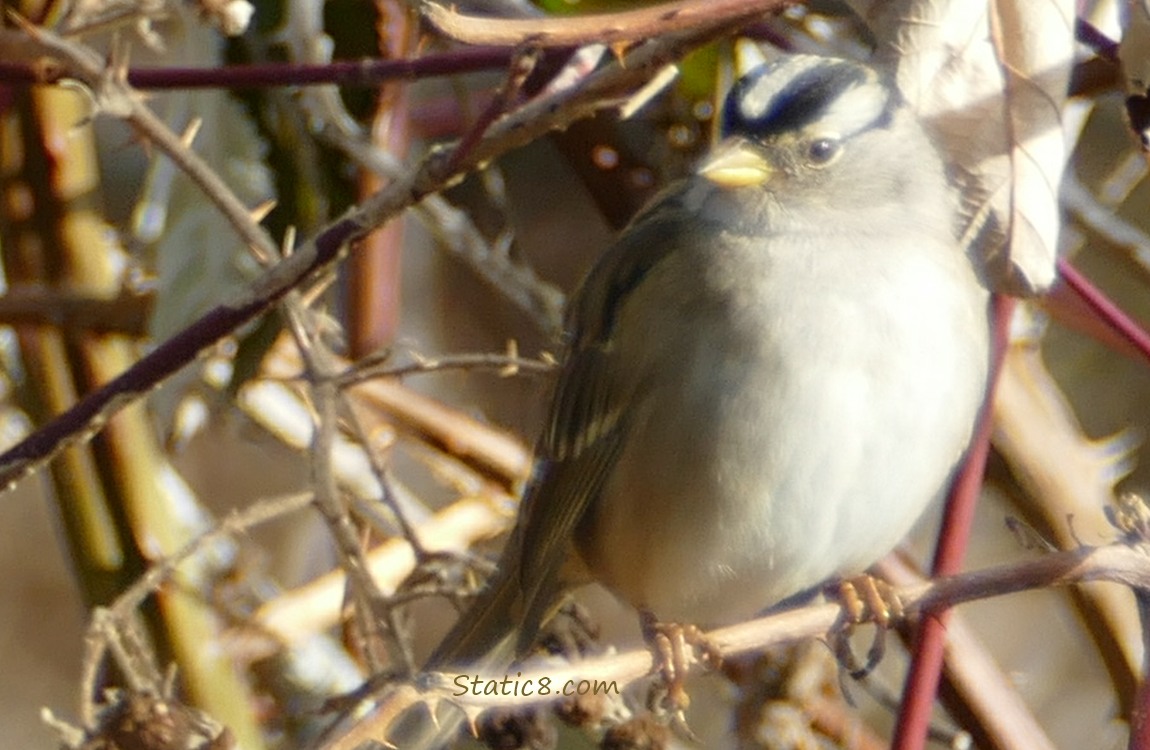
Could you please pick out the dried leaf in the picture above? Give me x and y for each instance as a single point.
(990, 79)
(1134, 53)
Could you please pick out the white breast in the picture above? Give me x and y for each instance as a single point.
(734, 490)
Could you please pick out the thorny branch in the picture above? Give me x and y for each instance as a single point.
(112, 95)
(340, 72)
(981, 697)
(547, 112)
(1120, 563)
(506, 364)
(322, 370)
(598, 28)
(454, 231)
(111, 624)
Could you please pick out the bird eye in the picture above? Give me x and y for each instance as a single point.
(822, 151)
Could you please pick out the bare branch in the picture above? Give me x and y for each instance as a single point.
(111, 625)
(314, 607)
(597, 28)
(125, 313)
(1128, 565)
(506, 364)
(991, 703)
(455, 232)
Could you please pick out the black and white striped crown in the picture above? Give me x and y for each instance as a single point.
(794, 92)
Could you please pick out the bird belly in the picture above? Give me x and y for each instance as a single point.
(820, 471)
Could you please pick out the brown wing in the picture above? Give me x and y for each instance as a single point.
(587, 425)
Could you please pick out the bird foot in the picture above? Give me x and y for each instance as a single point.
(864, 599)
(676, 647)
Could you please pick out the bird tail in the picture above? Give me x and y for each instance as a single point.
(486, 635)
(500, 625)
(485, 641)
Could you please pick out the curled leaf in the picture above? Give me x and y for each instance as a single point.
(990, 79)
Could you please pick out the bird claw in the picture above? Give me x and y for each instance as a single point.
(676, 647)
(864, 599)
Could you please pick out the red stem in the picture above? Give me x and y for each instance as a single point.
(366, 72)
(1106, 311)
(922, 681)
(926, 666)
(1126, 327)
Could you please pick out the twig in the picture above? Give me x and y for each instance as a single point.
(597, 28)
(113, 95)
(989, 699)
(344, 73)
(1093, 37)
(237, 522)
(1064, 474)
(519, 69)
(314, 607)
(493, 455)
(1068, 302)
(116, 618)
(926, 665)
(109, 16)
(366, 73)
(387, 486)
(506, 364)
(1101, 219)
(455, 232)
(322, 369)
(1119, 563)
(374, 274)
(1107, 312)
(126, 313)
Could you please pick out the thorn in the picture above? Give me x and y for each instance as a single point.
(191, 132)
(147, 33)
(260, 212)
(649, 91)
(71, 84)
(119, 64)
(619, 50)
(472, 713)
(288, 243)
(511, 368)
(23, 23)
(501, 246)
(1130, 515)
(1028, 537)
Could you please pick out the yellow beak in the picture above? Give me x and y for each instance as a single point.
(736, 165)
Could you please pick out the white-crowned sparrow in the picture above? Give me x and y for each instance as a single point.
(766, 379)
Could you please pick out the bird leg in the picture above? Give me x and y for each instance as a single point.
(864, 599)
(675, 648)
